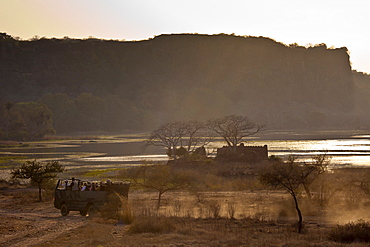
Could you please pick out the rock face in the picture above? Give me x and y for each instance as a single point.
(187, 76)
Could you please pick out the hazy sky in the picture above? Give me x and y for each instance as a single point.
(335, 23)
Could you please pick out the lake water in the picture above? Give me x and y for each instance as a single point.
(345, 148)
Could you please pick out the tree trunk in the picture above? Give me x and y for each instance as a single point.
(40, 198)
(174, 153)
(159, 199)
(299, 213)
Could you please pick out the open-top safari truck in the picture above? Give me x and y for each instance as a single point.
(85, 196)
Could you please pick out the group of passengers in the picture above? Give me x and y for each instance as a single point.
(90, 186)
(75, 185)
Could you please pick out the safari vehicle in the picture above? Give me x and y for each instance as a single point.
(70, 195)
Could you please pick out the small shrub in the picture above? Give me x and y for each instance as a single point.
(231, 208)
(177, 207)
(126, 214)
(117, 208)
(145, 210)
(214, 208)
(111, 208)
(351, 232)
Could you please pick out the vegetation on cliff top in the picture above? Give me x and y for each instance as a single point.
(106, 85)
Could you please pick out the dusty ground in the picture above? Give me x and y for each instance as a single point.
(24, 222)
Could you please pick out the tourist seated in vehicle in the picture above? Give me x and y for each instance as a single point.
(93, 187)
(97, 187)
(84, 187)
(63, 185)
(88, 186)
(73, 185)
(101, 186)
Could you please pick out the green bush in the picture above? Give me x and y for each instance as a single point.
(351, 232)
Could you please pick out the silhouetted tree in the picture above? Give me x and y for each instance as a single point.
(161, 178)
(168, 135)
(290, 176)
(179, 134)
(196, 135)
(311, 170)
(234, 128)
(38, 173)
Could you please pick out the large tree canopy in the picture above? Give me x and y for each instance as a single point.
(185, 134)
(25, 120)
(234, 128)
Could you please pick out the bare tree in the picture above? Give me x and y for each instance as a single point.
(168, 135)
(178, 134)
(195, 135)
(310, 171)
(161, 178)
(233, 128)
(291, 176)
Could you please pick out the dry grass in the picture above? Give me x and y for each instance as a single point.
(225, 207)
(186, 221)
(148, 224)
(181, 222)
(172, 231)
(351, 232)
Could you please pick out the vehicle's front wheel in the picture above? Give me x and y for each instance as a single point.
(64, 210)
(92, 211)
(83, 212)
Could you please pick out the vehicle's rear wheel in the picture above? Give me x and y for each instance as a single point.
(83, 212)
(64, 210)
(92, 211)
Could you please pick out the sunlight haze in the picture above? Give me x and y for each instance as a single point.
(335, 23)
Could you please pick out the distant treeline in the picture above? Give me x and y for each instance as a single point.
(24, 121)
(107, 85)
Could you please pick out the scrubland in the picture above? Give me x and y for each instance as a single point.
(225, 206)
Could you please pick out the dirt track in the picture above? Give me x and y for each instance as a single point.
(25, 223)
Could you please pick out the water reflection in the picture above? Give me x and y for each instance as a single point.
(349, 151)
(118, 152)
(130, 158)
